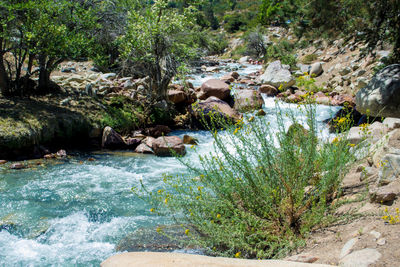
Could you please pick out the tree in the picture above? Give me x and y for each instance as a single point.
(44, 31)
(157, 41)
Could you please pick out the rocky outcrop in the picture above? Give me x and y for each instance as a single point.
(217, 88)
(381, 97)
(248, 100)
(277, 75)
(111, 139)
(168, 146)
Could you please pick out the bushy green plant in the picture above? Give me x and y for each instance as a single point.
(260, 192)
(307, 83)
(282, 51)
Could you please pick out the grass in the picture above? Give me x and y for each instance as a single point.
(260, 193)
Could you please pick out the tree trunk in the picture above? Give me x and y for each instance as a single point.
(4, 81)
(44, 76)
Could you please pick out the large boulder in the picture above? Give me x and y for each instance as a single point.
(111, 139)
(277, 75)
(381, 97)
(168, 145)
(211, 105)
(248, 100)
(176, 96)
(217, 88)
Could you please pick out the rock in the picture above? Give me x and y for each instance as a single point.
(361, 258)
(345, 71)
(392, 123)
(167, 259)
(168, 145)
(373, 132)
(231, 77)
(214, 105)
(322, 99)
(158, 130)
(189, 140)
(368, 172)
(128, 84)
(111, 139)
(61, 153)
(143, 149)
(3, 162)
(303, 258)
(316, 69)
(304, 68)
(17, 166)
(348, 247)
(68, 69)
(361, 82)
(269, 90)
(212, 69)
(65, 101)
(75, 78)
(340, 100)
(384, 194)
(261, 112)
(381, 97)
(244, 60)
(176, 96)
(150, 239)
(381, 241)
(132, 143)
(248, 100)
(108, 76)
(277, 75)
(217, 88)
(375, 234)
(389, 168)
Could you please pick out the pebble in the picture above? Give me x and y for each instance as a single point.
(375, 234)
(381, 241)
(17, 166)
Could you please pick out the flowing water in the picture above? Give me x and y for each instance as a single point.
(74, 212)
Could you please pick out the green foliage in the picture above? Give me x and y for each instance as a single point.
(260, 192)
(44, 31)
(120, 115)
(308, 59)
(283, 51)
(255, 44)
(156, 43)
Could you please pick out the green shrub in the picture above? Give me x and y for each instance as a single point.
(308, 59)
(283, 52)
(260, 192)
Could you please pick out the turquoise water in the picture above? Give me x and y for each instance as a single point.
(74, 212)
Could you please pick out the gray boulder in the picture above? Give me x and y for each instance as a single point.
(277, 75)
(381, 97)
(168, 145)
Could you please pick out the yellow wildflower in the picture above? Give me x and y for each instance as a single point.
(187, 232)
(238, 254)
(218, 216)
(352, 145)
(151, 210)
(251, 119)
(166, 201)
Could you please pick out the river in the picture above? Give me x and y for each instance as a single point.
(74, 212)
